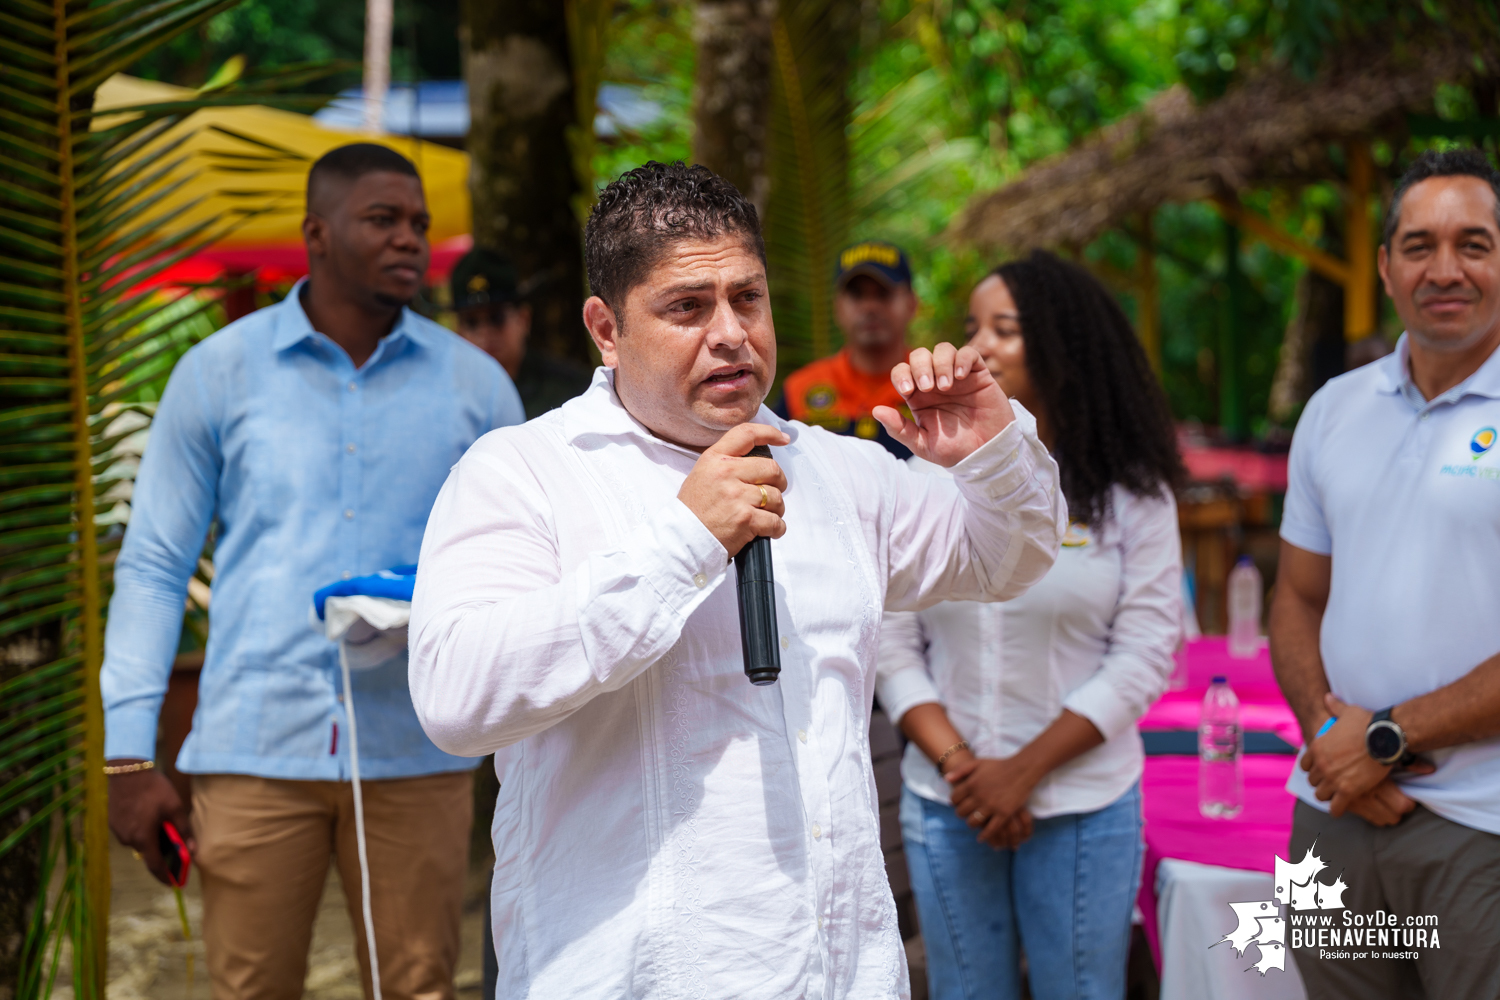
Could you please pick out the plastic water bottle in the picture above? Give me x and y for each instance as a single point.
(1221, 791)
(1244, 609)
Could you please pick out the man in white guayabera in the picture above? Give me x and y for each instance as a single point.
(666, 829)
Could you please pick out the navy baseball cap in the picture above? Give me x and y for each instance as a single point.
(885, 262)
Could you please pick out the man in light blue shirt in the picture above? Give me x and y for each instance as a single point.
(1384, 629)
(315, 434)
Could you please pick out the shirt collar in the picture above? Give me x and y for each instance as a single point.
(293, 326)
(1395, 374)
(1396, 377)
(599, 412)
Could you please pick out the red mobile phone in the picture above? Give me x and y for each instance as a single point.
(175, 853)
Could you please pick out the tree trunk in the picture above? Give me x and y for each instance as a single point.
(732, 98)
(519, 72)
(379, 15)
(1312, 349)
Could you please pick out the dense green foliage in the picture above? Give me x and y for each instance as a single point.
(273, 33)
(951, 98)
(651, 47)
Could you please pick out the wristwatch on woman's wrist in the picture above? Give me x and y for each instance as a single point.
(1385, 740)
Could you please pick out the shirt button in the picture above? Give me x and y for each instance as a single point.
(817, 832)
(700, 581)
(1426, 415)
(820, 922)
(353, 386)
(349, 514)
(786, 643)
(802, 735)
(341, 699)
(349, 447)
(348, 575)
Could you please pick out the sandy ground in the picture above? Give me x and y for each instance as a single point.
(148, 959)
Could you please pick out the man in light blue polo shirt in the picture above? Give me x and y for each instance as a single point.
(1386, 619)
(315, 434)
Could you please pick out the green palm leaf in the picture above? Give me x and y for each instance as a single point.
(808, 212)
(83, 226)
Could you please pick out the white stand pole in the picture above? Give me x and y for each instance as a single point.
(359, 815)
(379, 15)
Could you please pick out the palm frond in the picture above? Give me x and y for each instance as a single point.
(91, 213)
(808, 212)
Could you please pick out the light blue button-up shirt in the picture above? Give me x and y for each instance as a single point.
(314, 471)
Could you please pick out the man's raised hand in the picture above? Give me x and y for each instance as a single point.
(737, 496)
(956, 404)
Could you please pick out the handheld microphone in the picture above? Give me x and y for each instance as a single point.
(757, 593)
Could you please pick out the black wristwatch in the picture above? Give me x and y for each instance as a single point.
(1385, 740)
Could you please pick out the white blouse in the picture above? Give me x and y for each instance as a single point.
(664, 828)
(1095, 636)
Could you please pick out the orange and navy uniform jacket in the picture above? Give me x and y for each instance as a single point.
(832, 393)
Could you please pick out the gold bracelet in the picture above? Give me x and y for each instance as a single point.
(140, 765)
(955, 748)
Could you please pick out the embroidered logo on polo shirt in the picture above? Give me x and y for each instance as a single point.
(1482, 441)
(1480, 445)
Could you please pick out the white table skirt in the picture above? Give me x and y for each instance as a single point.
(1192, 912)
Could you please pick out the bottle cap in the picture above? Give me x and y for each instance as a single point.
(1220, 679)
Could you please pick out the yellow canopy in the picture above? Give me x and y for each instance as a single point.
(216, 164)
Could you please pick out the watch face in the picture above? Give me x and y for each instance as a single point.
(1383, 741)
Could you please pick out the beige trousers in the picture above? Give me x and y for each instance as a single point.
(263, 851)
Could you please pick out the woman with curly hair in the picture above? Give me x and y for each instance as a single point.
(1021, 807)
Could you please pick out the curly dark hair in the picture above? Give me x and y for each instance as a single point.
(644, 212)
(1109, 413)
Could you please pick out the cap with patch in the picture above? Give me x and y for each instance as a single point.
(885, 262)
(482, 277)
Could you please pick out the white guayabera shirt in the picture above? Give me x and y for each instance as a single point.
(664, 828)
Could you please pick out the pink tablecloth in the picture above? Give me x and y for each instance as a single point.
(1262, 709)
(1174, 827)
(1250, 470)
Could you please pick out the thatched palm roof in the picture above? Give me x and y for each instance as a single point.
(1274, 128)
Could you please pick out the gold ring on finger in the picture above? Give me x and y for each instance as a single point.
(765, 497)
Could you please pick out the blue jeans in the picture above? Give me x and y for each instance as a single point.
(1065, 895)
